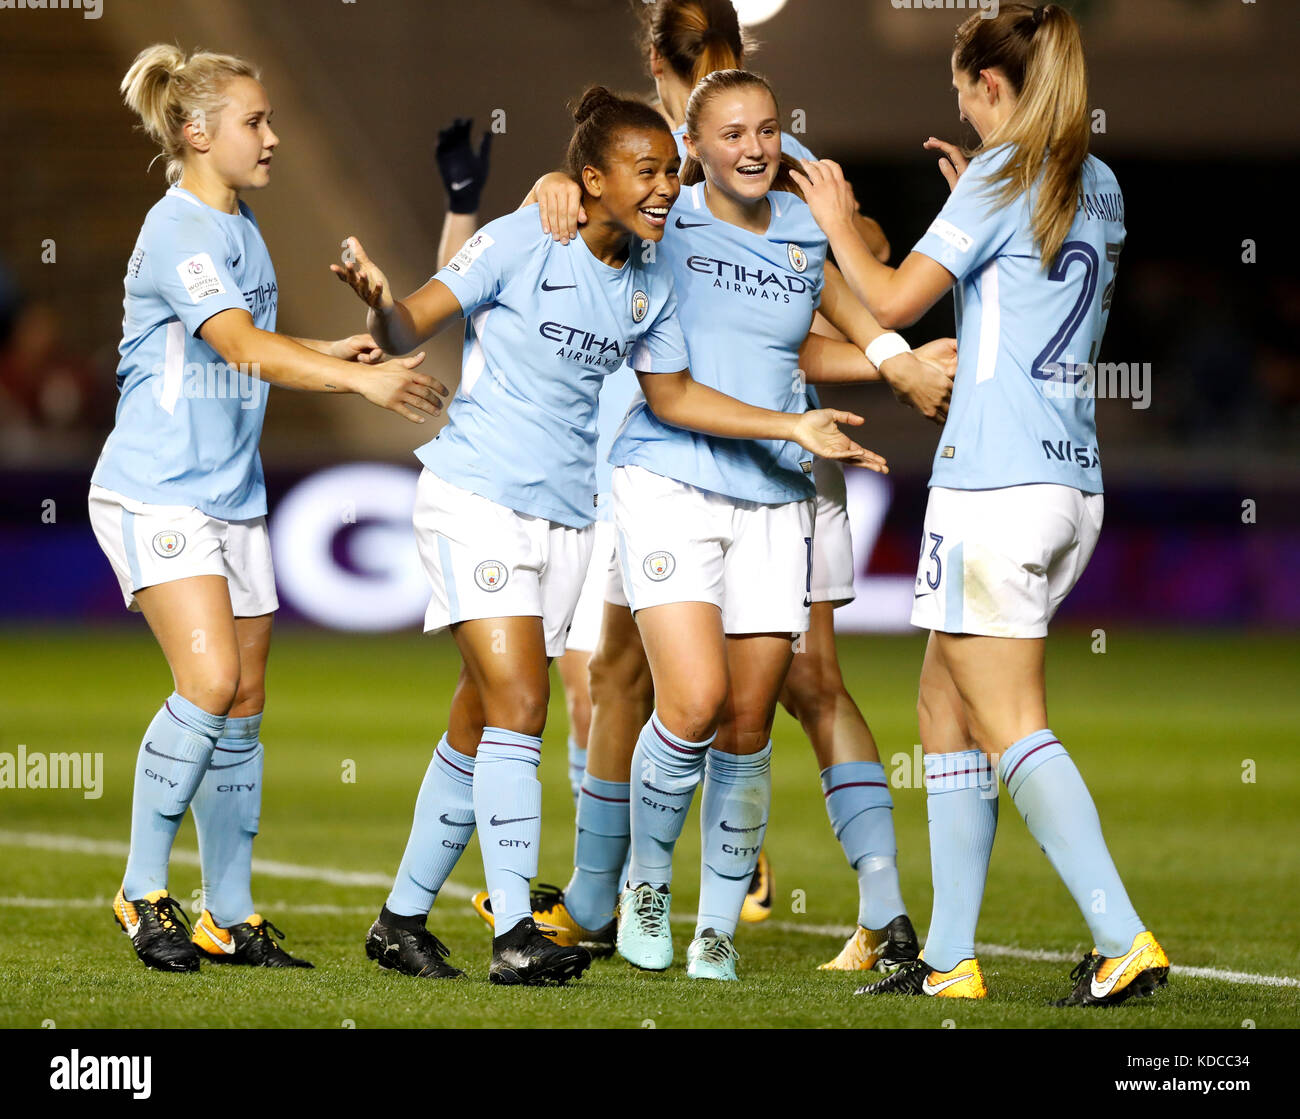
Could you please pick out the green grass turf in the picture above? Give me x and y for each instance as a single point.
(1160, 726)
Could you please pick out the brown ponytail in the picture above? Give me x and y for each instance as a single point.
(694, 37)
(167, 91)
(1041, 53)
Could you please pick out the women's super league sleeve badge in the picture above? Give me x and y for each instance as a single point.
(640, 305)
(798, 258)
(491, 575)
(168, 544)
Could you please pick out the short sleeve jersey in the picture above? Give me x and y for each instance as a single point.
(746, 303)
(1022, 406)
(188, 423)
(546, 323)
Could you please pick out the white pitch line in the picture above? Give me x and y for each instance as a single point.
(106, 903)
(79, 845)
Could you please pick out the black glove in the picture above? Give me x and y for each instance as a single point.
(464, 174)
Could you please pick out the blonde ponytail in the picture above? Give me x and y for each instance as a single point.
(167, 91)
(1041, 53)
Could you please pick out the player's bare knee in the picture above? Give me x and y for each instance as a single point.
(522, 710)
(693, 714)
(214, 690)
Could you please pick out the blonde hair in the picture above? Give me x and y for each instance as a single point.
(1041, 53)
(166, 91)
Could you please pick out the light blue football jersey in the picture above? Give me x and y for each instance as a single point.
(1022, 407)
(188, 424)
(621, 389)
(545, 325)
(746, 304)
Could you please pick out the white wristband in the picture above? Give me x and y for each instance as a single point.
(889, 344)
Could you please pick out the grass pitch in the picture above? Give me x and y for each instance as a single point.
(1187, 742)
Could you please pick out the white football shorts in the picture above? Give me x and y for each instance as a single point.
(677, 543)
(999, 563)
(484, 560)
(832, 564)
(584, 633)
(151, 544)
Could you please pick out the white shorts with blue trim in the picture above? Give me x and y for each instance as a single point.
(999, 563)
(484, 560)
(150, 544)
(678, 543)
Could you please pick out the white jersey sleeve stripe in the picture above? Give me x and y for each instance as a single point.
(173, 366)
(990, 323)
(475, 360)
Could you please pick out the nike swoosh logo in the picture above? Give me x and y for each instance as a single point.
(723, 825)
(232, 765)
(922, 594)
(132, 927)
(1101, 990)
(661, 792)
(456, 823)
(462, 184)
(148, 749)
(556, 287)
(513, 820)
(228, 949)
(934, 988)
(690, 224)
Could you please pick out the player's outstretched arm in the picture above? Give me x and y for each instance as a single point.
(922, 379)
(680, 400)
(356, 347)
(397, 325)
(464, 173)
(895, 296)
(393, 385)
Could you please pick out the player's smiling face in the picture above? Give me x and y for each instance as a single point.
(739, 143)
(640, 185)
(242, 144)
(984, 101)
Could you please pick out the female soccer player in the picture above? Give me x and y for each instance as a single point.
(504, 508)
(715, 537)
(1032, 232)
(684, 41)
(177, 499)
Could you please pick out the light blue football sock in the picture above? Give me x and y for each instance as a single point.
(577, 766)
(599, 852)
(733, 820)
(508, 807)
(227, 809)
(962, 803)
(665, 771)
(172, 760)
(862, 817)
(443, 826)
(1058, 809)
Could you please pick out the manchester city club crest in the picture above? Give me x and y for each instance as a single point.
(168, 544)
(491, 575)
(798, 258)
(659, 565)
(640, 305)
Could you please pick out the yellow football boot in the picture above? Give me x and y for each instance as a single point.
(553, 920)
(1110, 980)
(158, 930)
(758, 901)
(916, 977)
(884, 949)
(248, 942)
